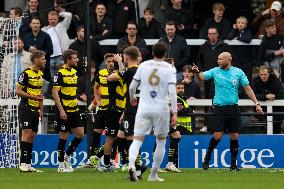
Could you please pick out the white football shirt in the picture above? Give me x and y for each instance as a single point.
(155, 77)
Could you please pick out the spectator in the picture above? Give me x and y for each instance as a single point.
(58, 34)
(82, 90)
(243, 54)
(191, 87)
(182, 17)
(268, 87)
(148, 27)
(33, 6)
(132, 39)
(274, 14)
(39, 40)
(177, 48)
(208, 55)
(101, 25)
(271, 48)
(15, 12)
(158, 6)
(218, 21)
(20, 61)
(96, 52)
(121, 11)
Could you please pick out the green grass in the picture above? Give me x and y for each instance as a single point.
(188, 179)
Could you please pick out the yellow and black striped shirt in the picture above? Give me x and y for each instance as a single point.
(112, 93)
(31, 82)
(66, 80)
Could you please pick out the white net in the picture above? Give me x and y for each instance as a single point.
(9, 30)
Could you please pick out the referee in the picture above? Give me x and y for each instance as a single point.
(227, 80)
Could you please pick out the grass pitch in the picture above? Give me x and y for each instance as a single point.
(189, 178)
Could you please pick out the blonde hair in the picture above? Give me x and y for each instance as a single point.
(243, 19)
(217, 6)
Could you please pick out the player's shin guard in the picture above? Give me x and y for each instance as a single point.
(121, 142)
(212, 145)
(95, 143)
(61, 149)
(73, 146)
(234, 149)
(173, 149)
(24, 152)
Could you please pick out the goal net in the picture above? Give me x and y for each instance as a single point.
(9, 144)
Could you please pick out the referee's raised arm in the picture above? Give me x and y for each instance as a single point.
(199, 74)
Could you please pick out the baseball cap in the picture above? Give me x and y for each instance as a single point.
(276, 5)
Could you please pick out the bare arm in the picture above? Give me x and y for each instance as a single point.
(21, 93)
(97, 94)
(251, 95)
(56, 98)
(200, 76)
(113, 77)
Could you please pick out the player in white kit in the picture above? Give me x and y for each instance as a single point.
(157, 80)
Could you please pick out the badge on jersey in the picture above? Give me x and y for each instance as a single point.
(234, 82)
(55, 78)
(153, 94)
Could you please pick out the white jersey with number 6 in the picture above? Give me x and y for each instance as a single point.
(155, 77)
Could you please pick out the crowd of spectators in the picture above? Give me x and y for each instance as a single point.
(54, 26)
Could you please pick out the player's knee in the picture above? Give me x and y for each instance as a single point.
(176, 135)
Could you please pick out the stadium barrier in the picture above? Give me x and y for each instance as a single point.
(256, 151)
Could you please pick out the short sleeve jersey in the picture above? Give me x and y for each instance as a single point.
(66, 80)
(155, 77)
(31, 81)
(227, 83)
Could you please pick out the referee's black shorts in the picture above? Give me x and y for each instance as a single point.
(226, 117)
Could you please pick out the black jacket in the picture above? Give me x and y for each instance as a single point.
(223, 28)
(178, 50)
(242, 53)
(181, 16)
(140, 43)
(208, 54)
(152, 31)
(270, 44)
(273, 86)
(98, 28)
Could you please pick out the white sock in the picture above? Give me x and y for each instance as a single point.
(61, 165)
(158, 156)
(133, 152)
(138, 173)
(23, 164)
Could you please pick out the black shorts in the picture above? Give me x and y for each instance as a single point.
(74, 120)
(108, 120)
(28, 119)
(128, 124)
(173, 130)
(226, 117)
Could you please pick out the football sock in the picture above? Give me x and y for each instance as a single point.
(173, 148)
(61, 149)
(24, 152)
(73, 146)
(134, 151)
(234, 148)
(212, 145)
(158, 156)
(121, 142)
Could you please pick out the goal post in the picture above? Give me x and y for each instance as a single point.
(9, 126)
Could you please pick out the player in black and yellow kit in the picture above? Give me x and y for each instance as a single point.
(111, 101)
(132, 58)
(29, 88)
(67, 111)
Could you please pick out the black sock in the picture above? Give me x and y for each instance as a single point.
(100, 152)
(114, 150)
(30, 151)
(128, 144)
(96, 143)
(121, 143)
(24, 152)
(234, 149)
(173, 149)
(73, 146)
(61, 149)
(138, 162)
(212, 145)
(107, 160)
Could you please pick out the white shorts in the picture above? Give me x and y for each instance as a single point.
(145, 122)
